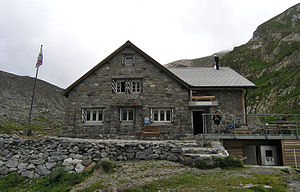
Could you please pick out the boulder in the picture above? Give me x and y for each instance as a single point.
(42, 170)
(69, 168)
(29, 174)
(153, 156)
(49, 166)
(31, 167)
(22, 167)
(79, 168)
(12, 163)
(172, 157)
(140, 155)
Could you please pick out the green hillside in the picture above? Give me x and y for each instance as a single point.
(271, 59)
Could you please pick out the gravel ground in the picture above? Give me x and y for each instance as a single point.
(137, 173)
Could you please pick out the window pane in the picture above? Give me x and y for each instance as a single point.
(269, 153)
(94, 115)
(162, 115)
(168, 118)
(130, 114)
(138, 86)
(100, 115)
(88, 115)
(123, 87)
(155, 118)
(118, 87)
(133, 86)
(124, 115)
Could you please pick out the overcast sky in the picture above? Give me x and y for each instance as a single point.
(79, 34)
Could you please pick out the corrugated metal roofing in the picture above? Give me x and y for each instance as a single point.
(210, 77)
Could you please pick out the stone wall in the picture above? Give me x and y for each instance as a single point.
(38, 157)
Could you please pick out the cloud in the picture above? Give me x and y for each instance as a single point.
(78, 34)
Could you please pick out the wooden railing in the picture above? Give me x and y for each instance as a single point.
(255, 124)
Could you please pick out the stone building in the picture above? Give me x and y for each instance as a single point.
(129, 90)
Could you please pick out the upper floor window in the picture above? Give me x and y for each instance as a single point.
(126, 86)
(92, 115)
(128, 59)
(136, 86)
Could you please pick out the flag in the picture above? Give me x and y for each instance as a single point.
(40, 58)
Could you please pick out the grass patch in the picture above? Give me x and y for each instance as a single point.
(228, 163)
(39, 125)
(11, 181)
(57, 181)
(107, 166)
(217, 182)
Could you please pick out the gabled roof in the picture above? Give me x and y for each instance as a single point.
(209, 77)
(125, 45)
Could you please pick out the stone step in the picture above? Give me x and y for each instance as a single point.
(203, 156)
(197, 150)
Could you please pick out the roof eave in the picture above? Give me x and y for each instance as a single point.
(224, 87)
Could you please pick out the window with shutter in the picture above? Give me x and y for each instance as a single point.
(92, 115)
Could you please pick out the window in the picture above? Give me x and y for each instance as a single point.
(126, 86)
(136, 86)
(121, 87)
(162, 115)
(92, 115)
(127, 114)
(269, 153)
(128, 60)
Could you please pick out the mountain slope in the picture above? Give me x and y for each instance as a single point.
(271, 59)
(15, 100)
(199, 62)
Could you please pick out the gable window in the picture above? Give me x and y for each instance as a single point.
(126, 86)
(126, 114)
(162, 115)
(92, 115)
(128, 59)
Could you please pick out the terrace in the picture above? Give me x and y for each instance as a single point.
(253, 126)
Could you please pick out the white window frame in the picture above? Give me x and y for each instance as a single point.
(87, 115)
(127, 86)
(136, 86)
(119, 84)
(162, 113)
(127, 114)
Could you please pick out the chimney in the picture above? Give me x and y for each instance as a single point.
(216, 57)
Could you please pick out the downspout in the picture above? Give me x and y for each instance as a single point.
(245, 100)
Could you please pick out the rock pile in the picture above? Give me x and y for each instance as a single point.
(38, 157)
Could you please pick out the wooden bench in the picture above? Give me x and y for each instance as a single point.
(203, 98)
(241, 131)
(150, 131)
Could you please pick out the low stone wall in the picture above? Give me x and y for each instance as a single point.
(38, 157)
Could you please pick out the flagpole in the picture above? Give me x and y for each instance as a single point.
(28, 131)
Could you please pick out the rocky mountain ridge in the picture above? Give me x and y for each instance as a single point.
(199, 62)
(15, 99)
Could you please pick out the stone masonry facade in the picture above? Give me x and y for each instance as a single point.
(158, 91)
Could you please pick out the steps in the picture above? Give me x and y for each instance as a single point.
(192, 150)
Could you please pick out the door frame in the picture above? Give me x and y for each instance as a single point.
(203, 120)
